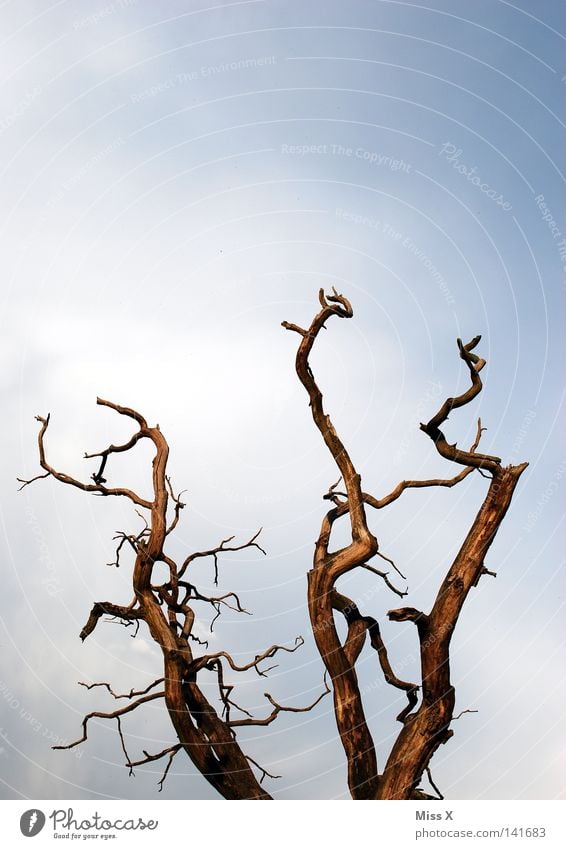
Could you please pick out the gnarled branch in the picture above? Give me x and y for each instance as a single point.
(432, 429)
(115, 714)
(277, 709)
(171, 751)
(207, 659)
(357, 626)
(129, 695)
(96, 488)
(222, 547)
(329, 566)
(101, 608)
(430, 726)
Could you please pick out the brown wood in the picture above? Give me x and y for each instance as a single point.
(167, 609)
(209, 740)
(429, 726)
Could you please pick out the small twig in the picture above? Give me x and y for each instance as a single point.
(179, 505)
(112, 449)
(25, 483)
(214, 552)
(384, 575)
(110, 715)
(129, 695)
(264, 772)
(289, 326)
(167, 768)
(207, 660)
(277, 709)
(133, 540)
(432, 784)
(194, 595)
(334, 496)
(171, 751)
(462, 712)
(225, 691)
(126, 755)
(483, 571)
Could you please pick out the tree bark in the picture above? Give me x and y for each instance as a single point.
(208, 738)
(430, 725)
(424, 730)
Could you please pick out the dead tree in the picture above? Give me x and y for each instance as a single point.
(168, 608)
(425, 728)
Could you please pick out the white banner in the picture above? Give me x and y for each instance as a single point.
(306, 824)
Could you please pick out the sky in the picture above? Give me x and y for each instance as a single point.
(176, 180)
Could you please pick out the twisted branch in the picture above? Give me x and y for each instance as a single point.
(277, 709)
(206, 737)
(171, 751)
(214, 552)
(208, 659)
(129, 695)
(430, 726)
(101, 608)
(116, 714)
(98, 488)
(431, 428)
(329, 566)
(357, 627)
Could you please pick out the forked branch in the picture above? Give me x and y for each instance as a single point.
(329, 566)
(432, 429)
(277, 709)
(424, 730)
(430, 727)
(98, 487)
(207, 738)
(208, 659)
(164, 605)
(115, 714)
(223, 547)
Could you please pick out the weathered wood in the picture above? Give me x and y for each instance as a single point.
(209, 738)
(429, 726)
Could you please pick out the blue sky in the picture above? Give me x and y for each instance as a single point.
(176, 180)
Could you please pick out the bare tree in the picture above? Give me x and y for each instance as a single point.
(168, 611)
(167, 608)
